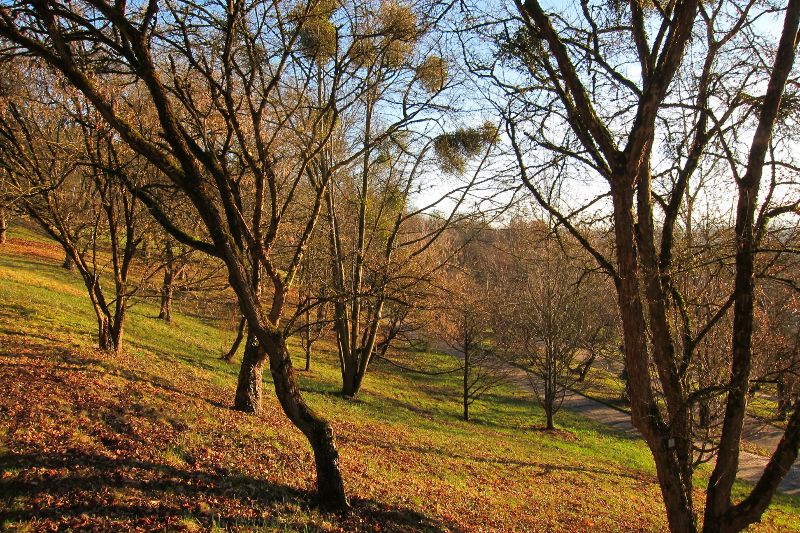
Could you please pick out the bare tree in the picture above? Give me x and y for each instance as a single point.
(464, 323)
(549, 315)
(650, 137)
(65, 172)
(380, 162)
(207, 121)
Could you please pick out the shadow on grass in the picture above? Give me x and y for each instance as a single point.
(35, 349)
(121, 486)
(96, 491)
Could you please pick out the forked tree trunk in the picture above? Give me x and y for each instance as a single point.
(680, 513)
(249, 388)
(330, 486)
(110, 333)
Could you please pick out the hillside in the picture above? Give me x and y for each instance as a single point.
(146, 440)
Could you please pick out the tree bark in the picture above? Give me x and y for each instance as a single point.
(330, 486)
(69, 263)
(307, 334)
(104, 337)
(644, 411)
(165, 313)
(549, 402)
(251, 377)
(3, 225)
(466, 383)
(117, 330)
(584, 371)
(352, 380)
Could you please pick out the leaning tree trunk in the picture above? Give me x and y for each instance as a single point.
(330, 486)
(251, 376)
(587, 365)
(271, 346)
(228, 357)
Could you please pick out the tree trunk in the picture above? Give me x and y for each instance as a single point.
(3, 225)
(69, 263)
(466, 383)
(548, 409)
(584, 371)
(166, 296)
(165, 313)
(680, 514)
(350, 381)
(117, 331)
(307, 333)
(784, 398)
(644, 410)
(330, 486)
(549, 402)
(251, 377)
(105, 338)
(228, 357)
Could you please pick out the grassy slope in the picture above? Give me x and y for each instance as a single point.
(146, 441)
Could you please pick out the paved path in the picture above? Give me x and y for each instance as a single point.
(750, 465)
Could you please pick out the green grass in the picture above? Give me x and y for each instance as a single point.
(410, 463)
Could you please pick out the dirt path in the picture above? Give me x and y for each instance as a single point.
(750, 465)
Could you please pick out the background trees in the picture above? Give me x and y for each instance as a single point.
(552, 315)
(385, 72)
(64, 169)
(464, 324)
